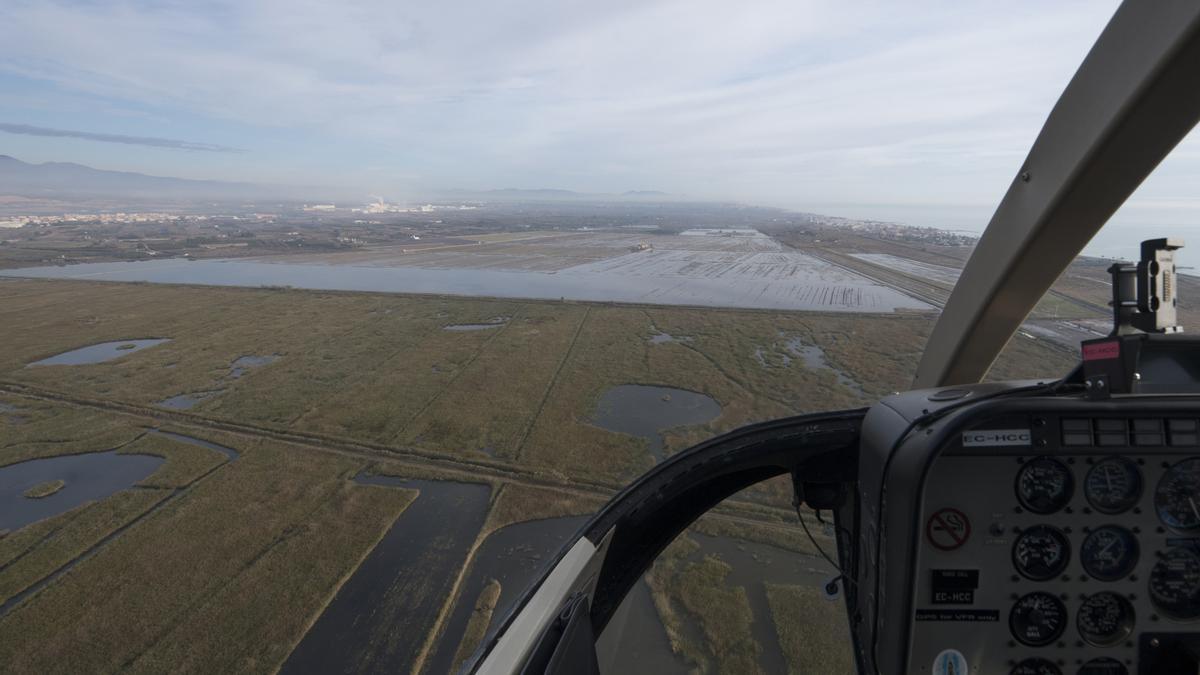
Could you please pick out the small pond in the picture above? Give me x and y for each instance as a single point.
(647, 411)
(243, 363)
(188, 401)
(812, 356)
(659, 338)
(494, 322)
(86, 477)
(99, 353)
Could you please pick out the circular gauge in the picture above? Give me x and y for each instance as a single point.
(1175, 584)
(1037, 619)
(1113, 485)
(1109, 553)
(1041, 552)
(1177, 498)
(1044, 485)
(1035, 666)
(1105, 619)
(1104, 665)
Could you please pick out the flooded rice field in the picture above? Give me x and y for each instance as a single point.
(99, 353)
(712, 269)
(379, 618)
(635, 640)
(916, 268)
(85, 478)
(515, 556)
(647, 411)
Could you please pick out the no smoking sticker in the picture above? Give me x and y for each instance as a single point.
(947, 529)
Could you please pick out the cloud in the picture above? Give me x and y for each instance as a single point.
(778, 100)
(171, 143)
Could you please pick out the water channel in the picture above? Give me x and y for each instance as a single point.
(379, 619)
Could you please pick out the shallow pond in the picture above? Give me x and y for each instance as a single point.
(494, 322)
(188, 401)
(99, 353)
(87, 477)
(647, 411)
(380, 617)
(659, 338)
(814, 358)
(243, 363)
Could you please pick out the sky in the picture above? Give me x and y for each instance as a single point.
(922, 109)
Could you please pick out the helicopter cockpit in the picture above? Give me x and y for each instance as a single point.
(1037, 527)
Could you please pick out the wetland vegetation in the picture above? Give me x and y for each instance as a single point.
(251, 529)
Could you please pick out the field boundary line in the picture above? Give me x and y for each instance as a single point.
(537, 414)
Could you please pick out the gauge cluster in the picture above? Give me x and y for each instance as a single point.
(1062, 557)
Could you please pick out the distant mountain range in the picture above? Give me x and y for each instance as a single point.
(65, 180)
(68, 181)
(552, 194)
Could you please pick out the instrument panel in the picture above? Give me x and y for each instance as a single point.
(1056, 545)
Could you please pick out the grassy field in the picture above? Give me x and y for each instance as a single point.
(211, 564)
(797, 609)
(381, 369)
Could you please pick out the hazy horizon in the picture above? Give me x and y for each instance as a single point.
(918, 113)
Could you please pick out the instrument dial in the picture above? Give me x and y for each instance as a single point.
(1113, 485)
(1041, 552)
(1105, 665)
(1177, 498)
(1175, 584)
(1105, 619)
(1109, 553)
(1044, 485)
(1035, 666)
(1037, 619)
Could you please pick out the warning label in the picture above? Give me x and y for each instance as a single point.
(1101, 351)
(947, 529)
(958, 615)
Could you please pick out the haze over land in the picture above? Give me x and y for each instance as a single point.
(918, 114)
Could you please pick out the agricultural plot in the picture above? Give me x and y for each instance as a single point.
(708, 268)
(942, 273)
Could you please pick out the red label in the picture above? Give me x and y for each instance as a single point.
(1102, 350)
(948, 529)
